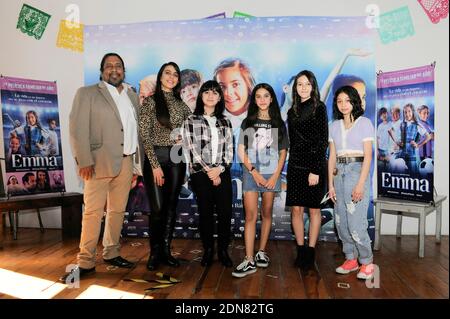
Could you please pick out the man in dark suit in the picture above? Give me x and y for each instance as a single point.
(104, 139)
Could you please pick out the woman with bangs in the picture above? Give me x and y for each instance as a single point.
(208, 142)
(350, 141)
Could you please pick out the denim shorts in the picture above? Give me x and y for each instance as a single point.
(249, 184)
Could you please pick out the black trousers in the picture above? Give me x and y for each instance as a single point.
(163, 200)
(213, 199)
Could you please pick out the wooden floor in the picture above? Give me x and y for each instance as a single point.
(42, 258)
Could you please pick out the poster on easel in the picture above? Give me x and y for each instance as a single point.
(31, 137)
(405, 134)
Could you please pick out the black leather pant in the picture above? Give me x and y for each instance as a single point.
(163, 200)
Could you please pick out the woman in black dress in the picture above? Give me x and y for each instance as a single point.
(308, 133)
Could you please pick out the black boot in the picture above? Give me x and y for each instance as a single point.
(300, 260)
(310, 256)
(154, 259)
(166, 255)
(208, 257)
(224, 258)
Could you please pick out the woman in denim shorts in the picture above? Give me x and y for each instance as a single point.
(263, 144)
(350, 141)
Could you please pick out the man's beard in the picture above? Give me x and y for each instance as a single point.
(116, 84)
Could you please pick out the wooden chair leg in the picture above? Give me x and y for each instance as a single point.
(16, 224)
(11, 221)
(399, 225)
(41, 226)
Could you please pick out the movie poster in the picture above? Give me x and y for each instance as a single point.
(31, 137)
(339, 50)
(405, 134)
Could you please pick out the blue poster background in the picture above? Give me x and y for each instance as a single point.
(31, 137)
(274, 48)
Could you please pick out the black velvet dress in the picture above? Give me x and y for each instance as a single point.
(308, 135)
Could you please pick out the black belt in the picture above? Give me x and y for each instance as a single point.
(347, 160)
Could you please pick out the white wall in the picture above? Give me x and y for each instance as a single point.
(23, 56)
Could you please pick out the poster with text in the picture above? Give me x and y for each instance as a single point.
(405, 134)
(31, 137)
(339, 50)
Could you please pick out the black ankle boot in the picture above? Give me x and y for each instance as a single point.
(208, 257)
(224, 258)
(154, 259)
(310, 256)
(300, 260)
(166, 256)
(153, 262)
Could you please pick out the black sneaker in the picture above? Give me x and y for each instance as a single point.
(245, 268)
(261, 259)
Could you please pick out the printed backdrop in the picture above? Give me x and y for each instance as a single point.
(275, 49)
(406, 134)
(31, 136)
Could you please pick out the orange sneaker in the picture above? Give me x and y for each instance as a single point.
(366, 271)
(347, 267)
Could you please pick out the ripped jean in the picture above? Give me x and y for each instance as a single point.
(351, 218)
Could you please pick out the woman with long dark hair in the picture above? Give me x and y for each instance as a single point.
(308, 134)
(162, 116)
(262, 151)
(208, 140)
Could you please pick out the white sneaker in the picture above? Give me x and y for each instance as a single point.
(244, 268)
(261, 259)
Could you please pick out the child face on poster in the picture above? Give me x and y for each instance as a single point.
(361, 88)
(41, 177)
(234, 89)
(52, 125)
(31, 118)
(189, 95)
(408, 113)
(395, 114)
(424, 113)
(147, 87)
(12, 180)
(191, 81)
(14, 144)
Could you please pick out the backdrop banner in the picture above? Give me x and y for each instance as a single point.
(339, 50)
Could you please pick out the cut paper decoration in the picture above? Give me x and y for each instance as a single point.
(70, 36)
(435, 9)
(238, 14)
(395, 25)
(221, 15)
(32, 21)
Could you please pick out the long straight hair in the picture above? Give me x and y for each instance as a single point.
(162, 110)
(274, 110)
(315, 94)
(220, 106)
